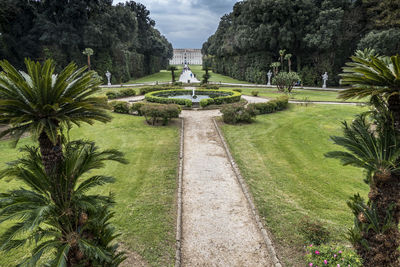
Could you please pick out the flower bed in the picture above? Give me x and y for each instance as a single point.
(216, 97)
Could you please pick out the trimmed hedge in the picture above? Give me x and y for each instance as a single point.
(272, 106)
(145, 90)
(120, 107)
(121, 93)
(237, 112)
(154, 113)
(217, 97)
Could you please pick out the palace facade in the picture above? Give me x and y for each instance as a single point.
(187, 56)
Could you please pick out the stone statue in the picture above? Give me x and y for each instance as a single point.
(108, 75)
(325, 78)
(269, 78)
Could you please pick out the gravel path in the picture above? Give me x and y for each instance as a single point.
(218, 228)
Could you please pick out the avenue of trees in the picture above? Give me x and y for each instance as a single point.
(122, 38)
(320, 34)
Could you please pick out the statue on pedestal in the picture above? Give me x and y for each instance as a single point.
(108, 75)
(325, 78)
(269, 78)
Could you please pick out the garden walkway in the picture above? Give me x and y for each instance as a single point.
(218, 227)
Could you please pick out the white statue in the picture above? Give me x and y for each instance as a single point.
(108, 75)
(325, 78)
(269, 78)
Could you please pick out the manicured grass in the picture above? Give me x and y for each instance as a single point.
(281, 156)
(301, 95)
(162, 76)
(145, 188)
(215, 77)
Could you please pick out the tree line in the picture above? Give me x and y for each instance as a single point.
(320, 34)
(123, 38)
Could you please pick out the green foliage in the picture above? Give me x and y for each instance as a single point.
(145, 90)
(313, 231)
(40, 101)
(172, 69)
(285, 81)
(331, 255)
(210, 86)
(272, 106)
(121, 93)
(254, 93)
(156, 112)
(237, 90)
(135, 107)
(123, 36)
(386, 42)
(56, 214)
(238, 113)
(120, 107)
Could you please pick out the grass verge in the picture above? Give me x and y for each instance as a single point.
(281, 156)
(144, 191)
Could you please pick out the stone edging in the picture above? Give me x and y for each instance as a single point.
(179, 202)
(246, 192)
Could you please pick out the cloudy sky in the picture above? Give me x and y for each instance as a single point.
(187, 23)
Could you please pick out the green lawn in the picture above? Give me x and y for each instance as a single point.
(310, 95)
(215, 77)
(281, 156)
(145, 188)
(162, 76)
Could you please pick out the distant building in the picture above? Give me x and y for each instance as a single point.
(187, 56)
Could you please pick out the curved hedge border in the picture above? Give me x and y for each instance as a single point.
(217, 97)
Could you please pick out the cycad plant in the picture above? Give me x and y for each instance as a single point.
(41, 102)
(371, 75)
(68, 223)
(372, 142)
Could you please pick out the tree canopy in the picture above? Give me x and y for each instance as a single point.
(123, 37)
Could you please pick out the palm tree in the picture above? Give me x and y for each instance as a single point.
(88, 52)
(63, 219)
(288, 58)
(376, 149)
(275, 66)
(42, 103)
(372, 75)
(281, 55)
(172, 69)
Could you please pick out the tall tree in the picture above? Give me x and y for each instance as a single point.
(88, 52)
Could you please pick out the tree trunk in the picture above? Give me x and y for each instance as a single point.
(51, 153)
(383, 247)
(394, 107)
(173, 76)
(88, 61)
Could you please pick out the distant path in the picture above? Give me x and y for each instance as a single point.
(218, 227)
(188, 76)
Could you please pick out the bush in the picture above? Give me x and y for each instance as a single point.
(177, 84)
(145, 90)
(155, 113)
(135, 107)
(254, 93)
(236, 113)
(326, 255)
(313, 231)
(210, 86)
(272, 106)
(237, 90)
(122, 93)
(120, 107)
(285, 81)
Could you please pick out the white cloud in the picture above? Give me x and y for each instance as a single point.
(187, 23)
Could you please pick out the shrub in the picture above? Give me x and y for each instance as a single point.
(272, 106)
(313, 231)
(237, 90)
(122, 93)
(254, 93)
(155, 113)
(286, 80)
(135, 107)
(236, 113)
(206, 102)
(177, 84)
(210, 86)
(326, 255)
(120, 107)
(145, 90)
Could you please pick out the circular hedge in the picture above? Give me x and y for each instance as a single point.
(217, 97)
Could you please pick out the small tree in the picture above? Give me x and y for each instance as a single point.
(88, 52)
(206, 75)
(288, 58)
(275, 66)
(172, 69)
(281, 55)
(285, 81)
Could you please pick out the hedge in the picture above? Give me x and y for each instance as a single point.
(145, 90)
(217, 97)
(154, 113)
(120, 107)
(272, 106)
(121, 93)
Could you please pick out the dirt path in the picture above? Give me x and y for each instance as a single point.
(218, 228)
